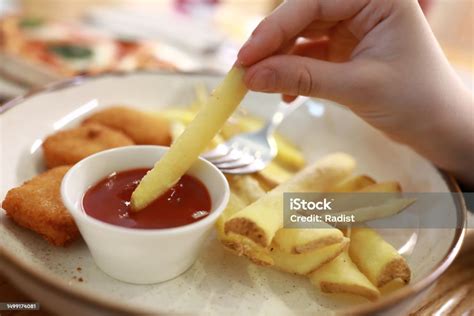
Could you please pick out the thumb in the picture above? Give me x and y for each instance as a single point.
(296, 75)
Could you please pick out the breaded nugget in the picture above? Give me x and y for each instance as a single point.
(37, 205)
(142, 128)
(69, 146)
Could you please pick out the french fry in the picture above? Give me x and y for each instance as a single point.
(288, 155)
(354, 183)
(307, 262)
(387, 209)
(193, 141)
(246, 188)
(262, 219)
(387, 187)
(177, 128)
(181, 115)
(376, 258)
(342, 276)
(389, 206)
(273, 175)
(302, 240)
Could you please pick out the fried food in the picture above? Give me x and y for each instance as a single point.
(354, 183)
(37, 205)
(273, 175)
(387, 187)
(262, 219)
(342, 276)
(376, 258)
(302, 240)
(142, 128)
(69, 146)
(244, 190)
(193, 141)
(306, 262)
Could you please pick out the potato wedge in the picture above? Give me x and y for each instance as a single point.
(376, 258)
(262, 219)
(354, 183)
(307, 262)
(341, 275)
(194, 140)
(302, 240)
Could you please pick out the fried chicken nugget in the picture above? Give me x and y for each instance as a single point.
(142, 128)
(69, 146)
(37, 205)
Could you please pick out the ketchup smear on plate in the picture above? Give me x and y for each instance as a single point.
(109, 201)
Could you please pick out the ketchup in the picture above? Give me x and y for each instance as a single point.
(109, 201)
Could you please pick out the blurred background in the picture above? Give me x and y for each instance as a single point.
(48, 40)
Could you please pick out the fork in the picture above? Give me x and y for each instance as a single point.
(252, 151)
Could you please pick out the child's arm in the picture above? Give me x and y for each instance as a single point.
(378, 57)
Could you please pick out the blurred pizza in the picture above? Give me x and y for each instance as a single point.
(70, 49)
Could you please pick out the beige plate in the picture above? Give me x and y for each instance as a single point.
(218, 283)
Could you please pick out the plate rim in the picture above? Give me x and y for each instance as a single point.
(81, 296)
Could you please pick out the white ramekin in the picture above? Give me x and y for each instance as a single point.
(140, 256)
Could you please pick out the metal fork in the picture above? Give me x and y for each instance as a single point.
(251, 152)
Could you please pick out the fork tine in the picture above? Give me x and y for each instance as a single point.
(232, 155)
(257, 165)
(220, 151)
(245, 160)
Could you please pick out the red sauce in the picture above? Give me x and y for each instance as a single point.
(109, 201)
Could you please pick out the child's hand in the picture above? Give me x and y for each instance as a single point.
(380, 59)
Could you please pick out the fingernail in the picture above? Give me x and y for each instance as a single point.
(263, 80)
(241, 54)
(248, 50)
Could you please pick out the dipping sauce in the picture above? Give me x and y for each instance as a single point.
(109, 201)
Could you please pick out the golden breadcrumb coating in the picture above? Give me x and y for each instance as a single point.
(142, 128)
(69, 146)
(37, 205)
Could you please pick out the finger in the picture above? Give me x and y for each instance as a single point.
(295, 75)
(287, 47)
(288, 20)
(317, 49)
(342, 44)
(318, 29)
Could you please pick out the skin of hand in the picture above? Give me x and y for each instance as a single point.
(377, 57)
